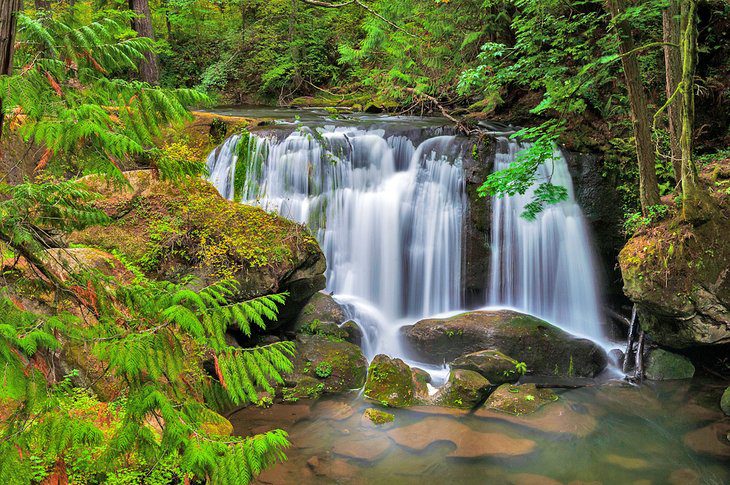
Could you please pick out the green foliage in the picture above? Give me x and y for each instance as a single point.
(521, 368)
(323, 369)
(637, 220)
(66, 94)
(144, 334)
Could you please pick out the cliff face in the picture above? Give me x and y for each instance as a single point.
(679, 274)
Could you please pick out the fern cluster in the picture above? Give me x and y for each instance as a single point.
(150, 335)
(67, 93)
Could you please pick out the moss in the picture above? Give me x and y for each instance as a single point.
(662, 365)
(378, 417)
(519, 400)
(390, 382)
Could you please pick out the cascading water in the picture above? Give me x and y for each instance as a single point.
(544, 267)
(386, 211)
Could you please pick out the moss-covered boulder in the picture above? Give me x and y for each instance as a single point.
(320, 308)
(376, 418)
(171, 231)
(324, 364)
(519, 400)
(391, 382)
(215, 424)
(492, 364)
(465, 389)
(725, 402)
(678, 274)
(662, 365)
(546, 349)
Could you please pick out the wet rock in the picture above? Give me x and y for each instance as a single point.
(173, 231)
(337, 366)
(616, 357)
(545, 349)
(469, 443)
(519, 400)
(353, 332)
(391, 382)
(376, 417)
(662, 365)
(684, 476)
(320, 309)
(531, 479)
(725, 402)
(366, 449)
(336, 469)
(711, 440)
(492, 364)
(559, 418)
(465, 389)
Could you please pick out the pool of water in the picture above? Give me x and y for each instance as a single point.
(672, 432)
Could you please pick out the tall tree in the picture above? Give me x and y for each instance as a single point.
(149, 70)
(673, 73)
(639, 104)
(8, 18)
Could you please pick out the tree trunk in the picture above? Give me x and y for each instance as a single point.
(673, 74)
(696, 204)
(8, 17)
(148, 69)
(648, 185)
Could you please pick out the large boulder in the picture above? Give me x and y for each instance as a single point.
(320, 308)
(519, 400)
(662, 366)
(172, 231)
(546, 349)
(492, 364)
(391, 382)
(678, 275)
(323, 364)
(465, 389)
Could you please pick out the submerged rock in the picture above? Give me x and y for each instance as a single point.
(662, 365)
(492, 364)
(519, 400)
(713, 439)
(546, 349)
(176, 230)
(391, 382)
(323, 364)
(465, 389)
(469, 443)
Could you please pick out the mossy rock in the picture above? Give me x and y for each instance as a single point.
(391, 382)
(547, 350)
(662, 365)
(377, 417)
(320, 308)
(172, 231)
(519, 399)
(306, 387)
(465, 389)
(725, 402)
(492, 364)
(215, 424)
(353, 332)
(338, 365)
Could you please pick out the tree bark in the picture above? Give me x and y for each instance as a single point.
(696, 204)
(8, 18)
(673, 74)
(638, 101)
(148, 69)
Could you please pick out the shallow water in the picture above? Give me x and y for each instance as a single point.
(654, 434)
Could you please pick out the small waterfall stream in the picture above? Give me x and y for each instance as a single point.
(388, 212)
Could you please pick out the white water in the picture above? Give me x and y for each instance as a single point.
(388, 214)
(544, 267)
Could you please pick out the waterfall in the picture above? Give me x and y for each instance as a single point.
(386, 210)
(544, 267)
